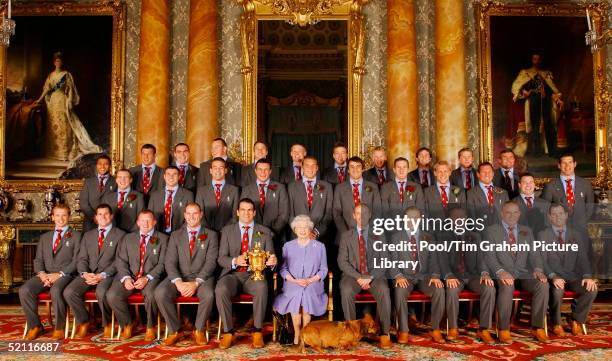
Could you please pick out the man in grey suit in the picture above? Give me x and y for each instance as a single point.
(168, 203)
(94, 190)
(337, 173)
(188, 173)
(380, 173)
(126, 203)
(465, 175)
(218, 199)
(219, 150)
(506, 176)
(96, 269)
(54, 267)
(356, 191)
(357, 258)
(191, 259)
(485, 200)
(236, 240)
(423, 174)
(140, 267)
(248, 176)
(400, 193)
(442, 195)
(293, 173)
(574, 192)
(516, 264)
(148, 176)
(534, 210)
(568, 269)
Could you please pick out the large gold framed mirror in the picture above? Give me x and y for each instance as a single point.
(336, 29)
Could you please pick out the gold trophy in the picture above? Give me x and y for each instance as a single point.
(257, 258)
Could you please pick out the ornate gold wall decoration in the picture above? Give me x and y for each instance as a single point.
(7, 246)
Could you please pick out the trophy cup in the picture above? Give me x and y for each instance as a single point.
(257, 258)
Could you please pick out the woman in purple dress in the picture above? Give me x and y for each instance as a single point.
(303, 270)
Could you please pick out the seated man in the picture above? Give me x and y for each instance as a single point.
(236, 241)
(425, 275)
(356, 260)
(568, 270)
(191, 259)
(96, 267)
(54, 266)
(516, 268)
(140, 264)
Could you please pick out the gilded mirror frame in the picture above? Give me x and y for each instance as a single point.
(302, 13)
(485, 9)
(114, 8)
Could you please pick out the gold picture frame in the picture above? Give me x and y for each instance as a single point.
(117, 10)
(485, 9)
(301, 12)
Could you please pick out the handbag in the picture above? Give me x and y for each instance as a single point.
(283, 328)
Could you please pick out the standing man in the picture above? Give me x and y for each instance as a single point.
(380, 173)
(168, 204)
(191, 260)
(96, 269)
(338, 173)
(485, 200)
(534, 210)
(219, 199)
(506, 176)
(147, 177)
(465, 175)
(293, 173)
(423, 174)
(442, 196)
(219, 150)
(54, 267)
(188, 174)
(574, 192)
(260, 151)
(94, 190)
(126, 203)
(236, 241)
(401, 193)
(140, 267)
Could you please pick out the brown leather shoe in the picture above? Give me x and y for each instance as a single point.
(485, 337)
(226, 341)
(107, 331)
(385, 341)
(504, 336)
(452, 335)
(34, 333)
(403, 338)
(436, 336)
(126, 333)
(150, 335)
(539, 334)
(558, 330)
(173, 338)
(82, 330)
(199, 338)
(576, 328)
(258, 341)
(58, 334)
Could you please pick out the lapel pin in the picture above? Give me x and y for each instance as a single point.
(154, 251)
(581, 195)
(274, 195)
(67, 243)
(110, 244)
(180, 203)
(202, 246)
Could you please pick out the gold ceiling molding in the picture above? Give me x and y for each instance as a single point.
(304, 12)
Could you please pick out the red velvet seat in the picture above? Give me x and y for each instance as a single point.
(135, 298)
(44, 297)
(90, 296)
(570, 295)
(468, 295)
(192, 299)
(243, 298)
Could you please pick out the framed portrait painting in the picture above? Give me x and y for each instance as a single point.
(63, 80)
(542, 91)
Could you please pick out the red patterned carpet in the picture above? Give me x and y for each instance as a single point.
(596, 346)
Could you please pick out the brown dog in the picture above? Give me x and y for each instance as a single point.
(342, 335)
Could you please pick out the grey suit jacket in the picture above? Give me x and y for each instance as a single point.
(125, 218)
(415, 176)
(275, 213)
(157, 179)
(95, 261)
(128, 257)
(428, 261)
(390, 198)
(348, 255)
(520, 266)
(65, 257)
(330, 175)
(433, 200)
(535, 218)
(90, 197)
(322, 202)
(371, 175)
(181, 198)
(191, 178)
(231, 241)
(217, 217)
(583, 195)
(569, 265)
(456, 178)
(498, 181)
(203, 262)
(478, 206)
(231, 177)
(344, 204)
(474, 261)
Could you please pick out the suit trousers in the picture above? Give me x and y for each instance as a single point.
(580, 307)
(379, 288)
(117, 298)
(437, 302)
(28, 296)
(487, 302)
(74, 296)
(166, 293)
(539, 301)
(234, 283)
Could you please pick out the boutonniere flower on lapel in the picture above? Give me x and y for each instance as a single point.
(131, 197)
(498, 190)
(320, 187)
(456, 190)
(201, 238)
(523, 233)
(410, 188)
(153, 240)
(368, 188)
(272, 187)
(68, 234)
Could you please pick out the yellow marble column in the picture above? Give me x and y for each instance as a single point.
(451, 98)
(403, 107)
(202, 79)
(154, 78)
